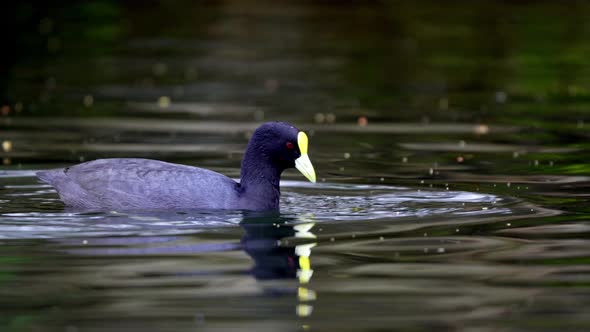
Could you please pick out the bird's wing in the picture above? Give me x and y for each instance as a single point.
(144, 184)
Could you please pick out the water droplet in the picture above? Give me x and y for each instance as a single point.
(501, 97)
(7, 146)
(160, 69)
(164, 102)
(259, 115)
(481, 129)
(330, 118)
(88, 101)
(443, 103)
(319, 118)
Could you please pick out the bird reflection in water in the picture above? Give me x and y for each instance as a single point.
(279, 246)
(282, 251)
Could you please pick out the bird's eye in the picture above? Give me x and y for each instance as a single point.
(289, 145)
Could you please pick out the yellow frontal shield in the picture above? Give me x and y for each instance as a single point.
(303, 164)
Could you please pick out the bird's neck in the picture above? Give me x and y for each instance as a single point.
(259, 181)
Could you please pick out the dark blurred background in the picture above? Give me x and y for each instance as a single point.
(508, 63)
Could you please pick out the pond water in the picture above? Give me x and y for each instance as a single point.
(450, 144)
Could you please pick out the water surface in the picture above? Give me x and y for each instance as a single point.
(450, 144)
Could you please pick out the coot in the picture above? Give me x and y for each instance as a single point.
(131, 183)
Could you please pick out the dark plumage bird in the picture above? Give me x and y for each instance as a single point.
(128, 184)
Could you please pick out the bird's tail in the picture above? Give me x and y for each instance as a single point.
(50, 176)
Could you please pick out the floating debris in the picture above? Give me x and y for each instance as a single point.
(363, 121)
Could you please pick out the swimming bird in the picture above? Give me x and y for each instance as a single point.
(139, 184)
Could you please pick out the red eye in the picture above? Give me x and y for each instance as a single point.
(289, 145)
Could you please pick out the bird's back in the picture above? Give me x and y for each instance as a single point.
(141, 184)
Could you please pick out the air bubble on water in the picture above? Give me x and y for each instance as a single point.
(440, 250)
